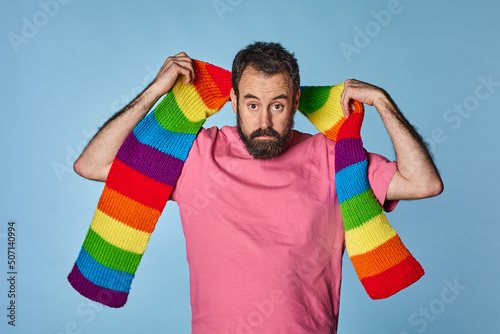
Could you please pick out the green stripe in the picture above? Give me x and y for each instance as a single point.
(109, 255)
(170, 116)
(359, 209)
(313, 98)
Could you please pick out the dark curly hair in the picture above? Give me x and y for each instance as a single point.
(270, 58)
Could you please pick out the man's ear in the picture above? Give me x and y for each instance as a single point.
(234, 100)
(296, 104)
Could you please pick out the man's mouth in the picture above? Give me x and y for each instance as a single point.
(265, 134)
(265, 137)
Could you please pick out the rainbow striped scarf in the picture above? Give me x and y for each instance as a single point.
(382, 262)
(149, 163)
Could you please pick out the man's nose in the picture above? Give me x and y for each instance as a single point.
(265, 120)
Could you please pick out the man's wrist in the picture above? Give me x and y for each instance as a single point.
(384, 103)
(153, 91)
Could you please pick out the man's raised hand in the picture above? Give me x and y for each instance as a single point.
(180, 64)
(95, 161)
(362, 92)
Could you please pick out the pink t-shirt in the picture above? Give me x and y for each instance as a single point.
(265, 238)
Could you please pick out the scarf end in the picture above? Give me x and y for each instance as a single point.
(86, 288)
(394, 279)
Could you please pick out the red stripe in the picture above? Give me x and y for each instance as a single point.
(205, 87)
(352, 125)
(139, 187)
(212, 84)
(221, 77)
(393, 279)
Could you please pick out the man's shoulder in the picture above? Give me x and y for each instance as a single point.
(214, 133)
(215, 137)
(316, 141)
(298, 136)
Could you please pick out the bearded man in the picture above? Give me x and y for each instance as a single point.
(258, 203)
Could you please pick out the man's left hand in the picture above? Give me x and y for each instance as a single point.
(362, 92)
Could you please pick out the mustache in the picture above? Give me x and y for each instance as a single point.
(265, 132)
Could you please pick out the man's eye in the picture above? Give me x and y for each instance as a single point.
(252, 106)
(278, 107)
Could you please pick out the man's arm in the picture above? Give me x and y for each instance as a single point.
(96, 159)
(417, 176)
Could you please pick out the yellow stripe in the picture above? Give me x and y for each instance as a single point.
(190, 102)
(330, 113)
(368, 236)
(118, 234)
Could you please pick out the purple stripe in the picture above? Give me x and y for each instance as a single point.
(150, 161)
(348, 151)
(94, 292)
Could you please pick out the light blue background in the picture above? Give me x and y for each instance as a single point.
(89, 58)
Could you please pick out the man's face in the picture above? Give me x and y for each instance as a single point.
(265, 111)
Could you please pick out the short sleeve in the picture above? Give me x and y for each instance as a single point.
(380, 173)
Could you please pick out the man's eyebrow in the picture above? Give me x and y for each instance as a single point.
(250, 96)
(282, 96)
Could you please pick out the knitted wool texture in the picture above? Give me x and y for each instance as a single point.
(149, 162)
(139, 183)
(382, 262)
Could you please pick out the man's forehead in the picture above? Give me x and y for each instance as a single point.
(254, 80)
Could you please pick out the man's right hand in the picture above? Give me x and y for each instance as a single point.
(95, 161)
(180, 64)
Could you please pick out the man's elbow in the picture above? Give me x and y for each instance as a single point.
(431, 188)
(85, 170)
(82, 169)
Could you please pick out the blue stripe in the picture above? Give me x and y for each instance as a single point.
(101, 275)
(352, 180)
(176, 144)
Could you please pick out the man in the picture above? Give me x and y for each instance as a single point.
(258, 204)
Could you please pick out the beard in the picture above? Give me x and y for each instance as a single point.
(265, 148)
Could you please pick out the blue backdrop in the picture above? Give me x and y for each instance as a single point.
(67, 66)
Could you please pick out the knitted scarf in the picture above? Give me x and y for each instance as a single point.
(150, 160)
(382, 262)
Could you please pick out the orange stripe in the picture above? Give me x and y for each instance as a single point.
(206, 88)
(358, 106)
(385, 256)
(394, 279)
(221, 77)
(128, 211)
(334, 130)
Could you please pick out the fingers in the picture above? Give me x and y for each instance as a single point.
(186, 67)
(174, 67)
(355, 90)
(180, 64)
(345, 98)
